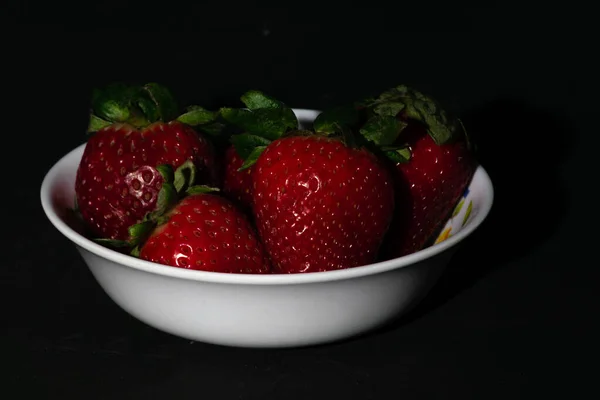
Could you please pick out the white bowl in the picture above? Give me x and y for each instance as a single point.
(262, 310)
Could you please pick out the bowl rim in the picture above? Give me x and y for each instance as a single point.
(258, 279)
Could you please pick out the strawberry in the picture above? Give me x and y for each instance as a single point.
(264, 119)
(432, 158)
(237, 183)
(319, 202)
(126, 172)
(206, 232)
(321, 205)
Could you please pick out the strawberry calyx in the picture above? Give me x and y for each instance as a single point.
(341, 123)
(263, 116)
(140, 106)
(249, 148)
(391, 112)
(200, 117)
(266, 119)
(136, 105)
(263, 120)
(409, 104)
(336, 119)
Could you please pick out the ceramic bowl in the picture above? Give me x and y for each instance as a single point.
(264, 310)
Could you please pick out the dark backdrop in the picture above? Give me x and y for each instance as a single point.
(513, 317)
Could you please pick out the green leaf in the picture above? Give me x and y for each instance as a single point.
(163, 219)
(197, 115)
(135, 252)
(112, 243)
(245, 143)
(420, 107)
(213, 129)
(393, 94)
(164, 100)
(185, 176)
(404, 153)
(166, 171)
(200, 189)
(132, 104)
(167, 196)
(365, 103)
(330, 121)
(270, 123)
(401, 155)
(113, 110)
(238, 117)
(252, 157)
(139, 232)
(148, 108)
(113, 102)
(388, 109)
(436, 120)
(254, 100)
(97, 123)
(382, 130)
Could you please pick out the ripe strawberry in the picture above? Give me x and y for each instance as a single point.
(206, 232)
(237, 184)
(126, 172)
(433, 160)
(321, 205)
(256, 134)
(319, 202)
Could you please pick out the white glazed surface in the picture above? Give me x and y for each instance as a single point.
(261, 310)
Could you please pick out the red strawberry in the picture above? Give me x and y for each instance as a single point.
(321, 205)
(263, 120)
(206, 232)
(436, 176)
(433, 160)
(126, 170)
(237, 184)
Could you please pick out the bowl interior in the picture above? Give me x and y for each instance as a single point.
(58, 193)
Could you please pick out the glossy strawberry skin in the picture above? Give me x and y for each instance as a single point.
(428, 187)
(207, 232)
(237, 185)
(320, 205)
(117, 183)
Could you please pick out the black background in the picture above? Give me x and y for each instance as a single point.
(513, 316)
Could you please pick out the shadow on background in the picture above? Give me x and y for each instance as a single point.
(521, 148)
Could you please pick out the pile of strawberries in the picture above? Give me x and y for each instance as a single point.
(244, 190)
